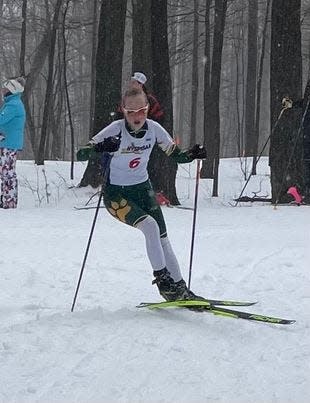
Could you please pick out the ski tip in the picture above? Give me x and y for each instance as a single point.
(141, 305)
(290, 321)
(233, 303)
(284, 322)
(253, 303)
(147, 304)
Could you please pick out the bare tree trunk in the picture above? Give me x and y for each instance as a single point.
(58, 118)
(162, 169)
(178, 104)
(285, 79)
(36, 67)
(108, 75)
(237, 102)
(239, 80)
(72, 148)
(207, 68)
(259, 90)
(93, 68)
(212, 140)
(193, 124)
(23, 38)
(49, 87)
(142, 38)
(251, 78)
(219, 27)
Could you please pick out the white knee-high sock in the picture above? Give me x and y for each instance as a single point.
(154, 248)
(171, 260)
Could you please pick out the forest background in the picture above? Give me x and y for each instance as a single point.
(218, 67)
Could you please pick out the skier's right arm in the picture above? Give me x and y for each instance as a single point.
(107, 140)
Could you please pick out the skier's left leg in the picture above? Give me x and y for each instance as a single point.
(177, 289)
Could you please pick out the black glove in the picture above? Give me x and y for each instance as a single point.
(109, 145)
(197, 152)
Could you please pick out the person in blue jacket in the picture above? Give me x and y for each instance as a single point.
(12, 124)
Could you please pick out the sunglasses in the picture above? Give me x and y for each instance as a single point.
(133, 111)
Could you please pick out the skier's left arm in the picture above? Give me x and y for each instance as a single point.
(168, 145)
(197, 152)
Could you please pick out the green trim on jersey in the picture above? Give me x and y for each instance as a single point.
(181, 157)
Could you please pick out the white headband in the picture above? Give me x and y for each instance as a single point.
(13, 86)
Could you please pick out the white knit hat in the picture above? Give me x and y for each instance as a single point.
(140, 77)
(15, 85)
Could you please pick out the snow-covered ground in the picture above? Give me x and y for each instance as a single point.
(107, 350)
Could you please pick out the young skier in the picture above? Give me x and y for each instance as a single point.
(128, 195)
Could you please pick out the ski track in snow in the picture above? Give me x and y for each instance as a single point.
(107, 350)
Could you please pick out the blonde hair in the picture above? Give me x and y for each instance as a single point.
(133, 92)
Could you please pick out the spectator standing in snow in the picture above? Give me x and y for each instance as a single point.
(12, 124)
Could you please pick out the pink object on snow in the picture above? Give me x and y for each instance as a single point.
(294, 192)
(162, 199)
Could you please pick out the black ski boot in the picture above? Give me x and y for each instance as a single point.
(184, 293)
(165, 283)
(171, 290)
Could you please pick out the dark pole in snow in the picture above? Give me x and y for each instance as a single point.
(106, 164)
(194, 223)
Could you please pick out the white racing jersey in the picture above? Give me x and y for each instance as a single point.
(129, 164)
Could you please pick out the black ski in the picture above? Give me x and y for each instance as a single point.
(205, 306)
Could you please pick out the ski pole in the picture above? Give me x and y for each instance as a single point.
(260, 154)
(194, 224)
(107, 161)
